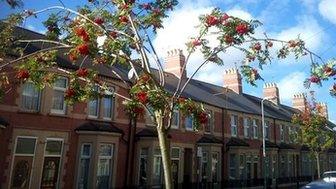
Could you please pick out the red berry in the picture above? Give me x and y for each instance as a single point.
(73, 57)
(157, 11)
(329, 71)
(228, 39)
(196, 42)
(242, 28)
(123, 19)
(69, 93)
(292, 43)
(82, 72)
(225, 17)
(211, 20)
(145, 78)
(99, 21)
(81, 32)
(181, 100)
(83, 49)
(124, 6)
(113, 34)
(314, 79)
(142, 97)
(269, 44)
(22, 74)
(257, 47)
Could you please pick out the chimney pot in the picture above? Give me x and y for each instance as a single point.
(174, 62)
(271, 92)
(233, 80)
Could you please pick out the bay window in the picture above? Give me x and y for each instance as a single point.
(143, 164)
(157, 167)
(205, 166)
(104, 171)
(215, 167)
(58, 102)
(23, 161)
(232, 166)
(247, 127)
(31, 97)
(175, 158)
(84, 166)
(52, 162)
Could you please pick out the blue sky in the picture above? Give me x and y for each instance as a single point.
(313, 20)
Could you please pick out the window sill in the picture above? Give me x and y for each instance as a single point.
(57, 114)
(98, 119)
(21, 111)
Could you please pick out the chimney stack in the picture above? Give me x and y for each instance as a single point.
(271, 92)
(300, 101)
(174, 62)
(323, 109)
(233, 80)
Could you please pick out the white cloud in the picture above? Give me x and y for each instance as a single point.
(290, 85)
(327, 9)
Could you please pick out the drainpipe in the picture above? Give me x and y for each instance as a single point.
(130, 153)
(223, 147)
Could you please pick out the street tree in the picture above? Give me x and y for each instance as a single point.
(313, 130)
(127, 28)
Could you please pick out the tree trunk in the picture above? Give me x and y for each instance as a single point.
(165, 152)
(318, 165)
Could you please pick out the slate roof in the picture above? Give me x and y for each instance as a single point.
(3, 122)
(99, 127)
(197, 90)
(147, 133)
(236, 142)
(209, 139)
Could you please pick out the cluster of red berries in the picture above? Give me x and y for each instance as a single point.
(99, 20)
(23, 74)
(142, 96)
(82, 72)
(69, 93)
(81, 32)
(242, 28)
(83, 49)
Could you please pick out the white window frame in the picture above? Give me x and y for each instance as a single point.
(246, 127)
(112, 103)
(255, 128)
(192, 123)
(234, 126)
(179, 154)
(39, 99)
(178, 119)
(211, 121)
(110, 157)
(81, 156)
(56, 111)
(60, 163)
(282, 133)
(29, 155)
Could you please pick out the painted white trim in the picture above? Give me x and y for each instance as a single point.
(13, 158)
(99, 133)
(112, 162)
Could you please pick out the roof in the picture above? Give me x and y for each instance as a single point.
(3, 122)
(99, 127)
(197, 90)
(146, 132)
(209, 139)
(269, 144)
(236, 142)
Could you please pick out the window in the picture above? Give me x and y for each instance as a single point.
(215, 167)
(84, 166)
(208, 127)
(255, 128)
(104, 171)
(234, 124)
(158, 170)
(143, 178)
(283, 170)
(267, 130)
(205, 166)
(175, 157)
(188, 123)
(58, 102)
(290, 135)
(242, 166)
(103, 105)
(30, 97)
(232, 166)
(52, 161)
(282, 133)
(107, 104)
(249, 167)
(175, 119)
(247, 127)
(94, 106)
(23, 162)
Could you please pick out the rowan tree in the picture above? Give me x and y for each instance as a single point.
(314, 131)
(127, 27)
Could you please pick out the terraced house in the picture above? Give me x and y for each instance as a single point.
(46, 143)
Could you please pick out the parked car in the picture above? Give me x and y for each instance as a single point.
(327, 181)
